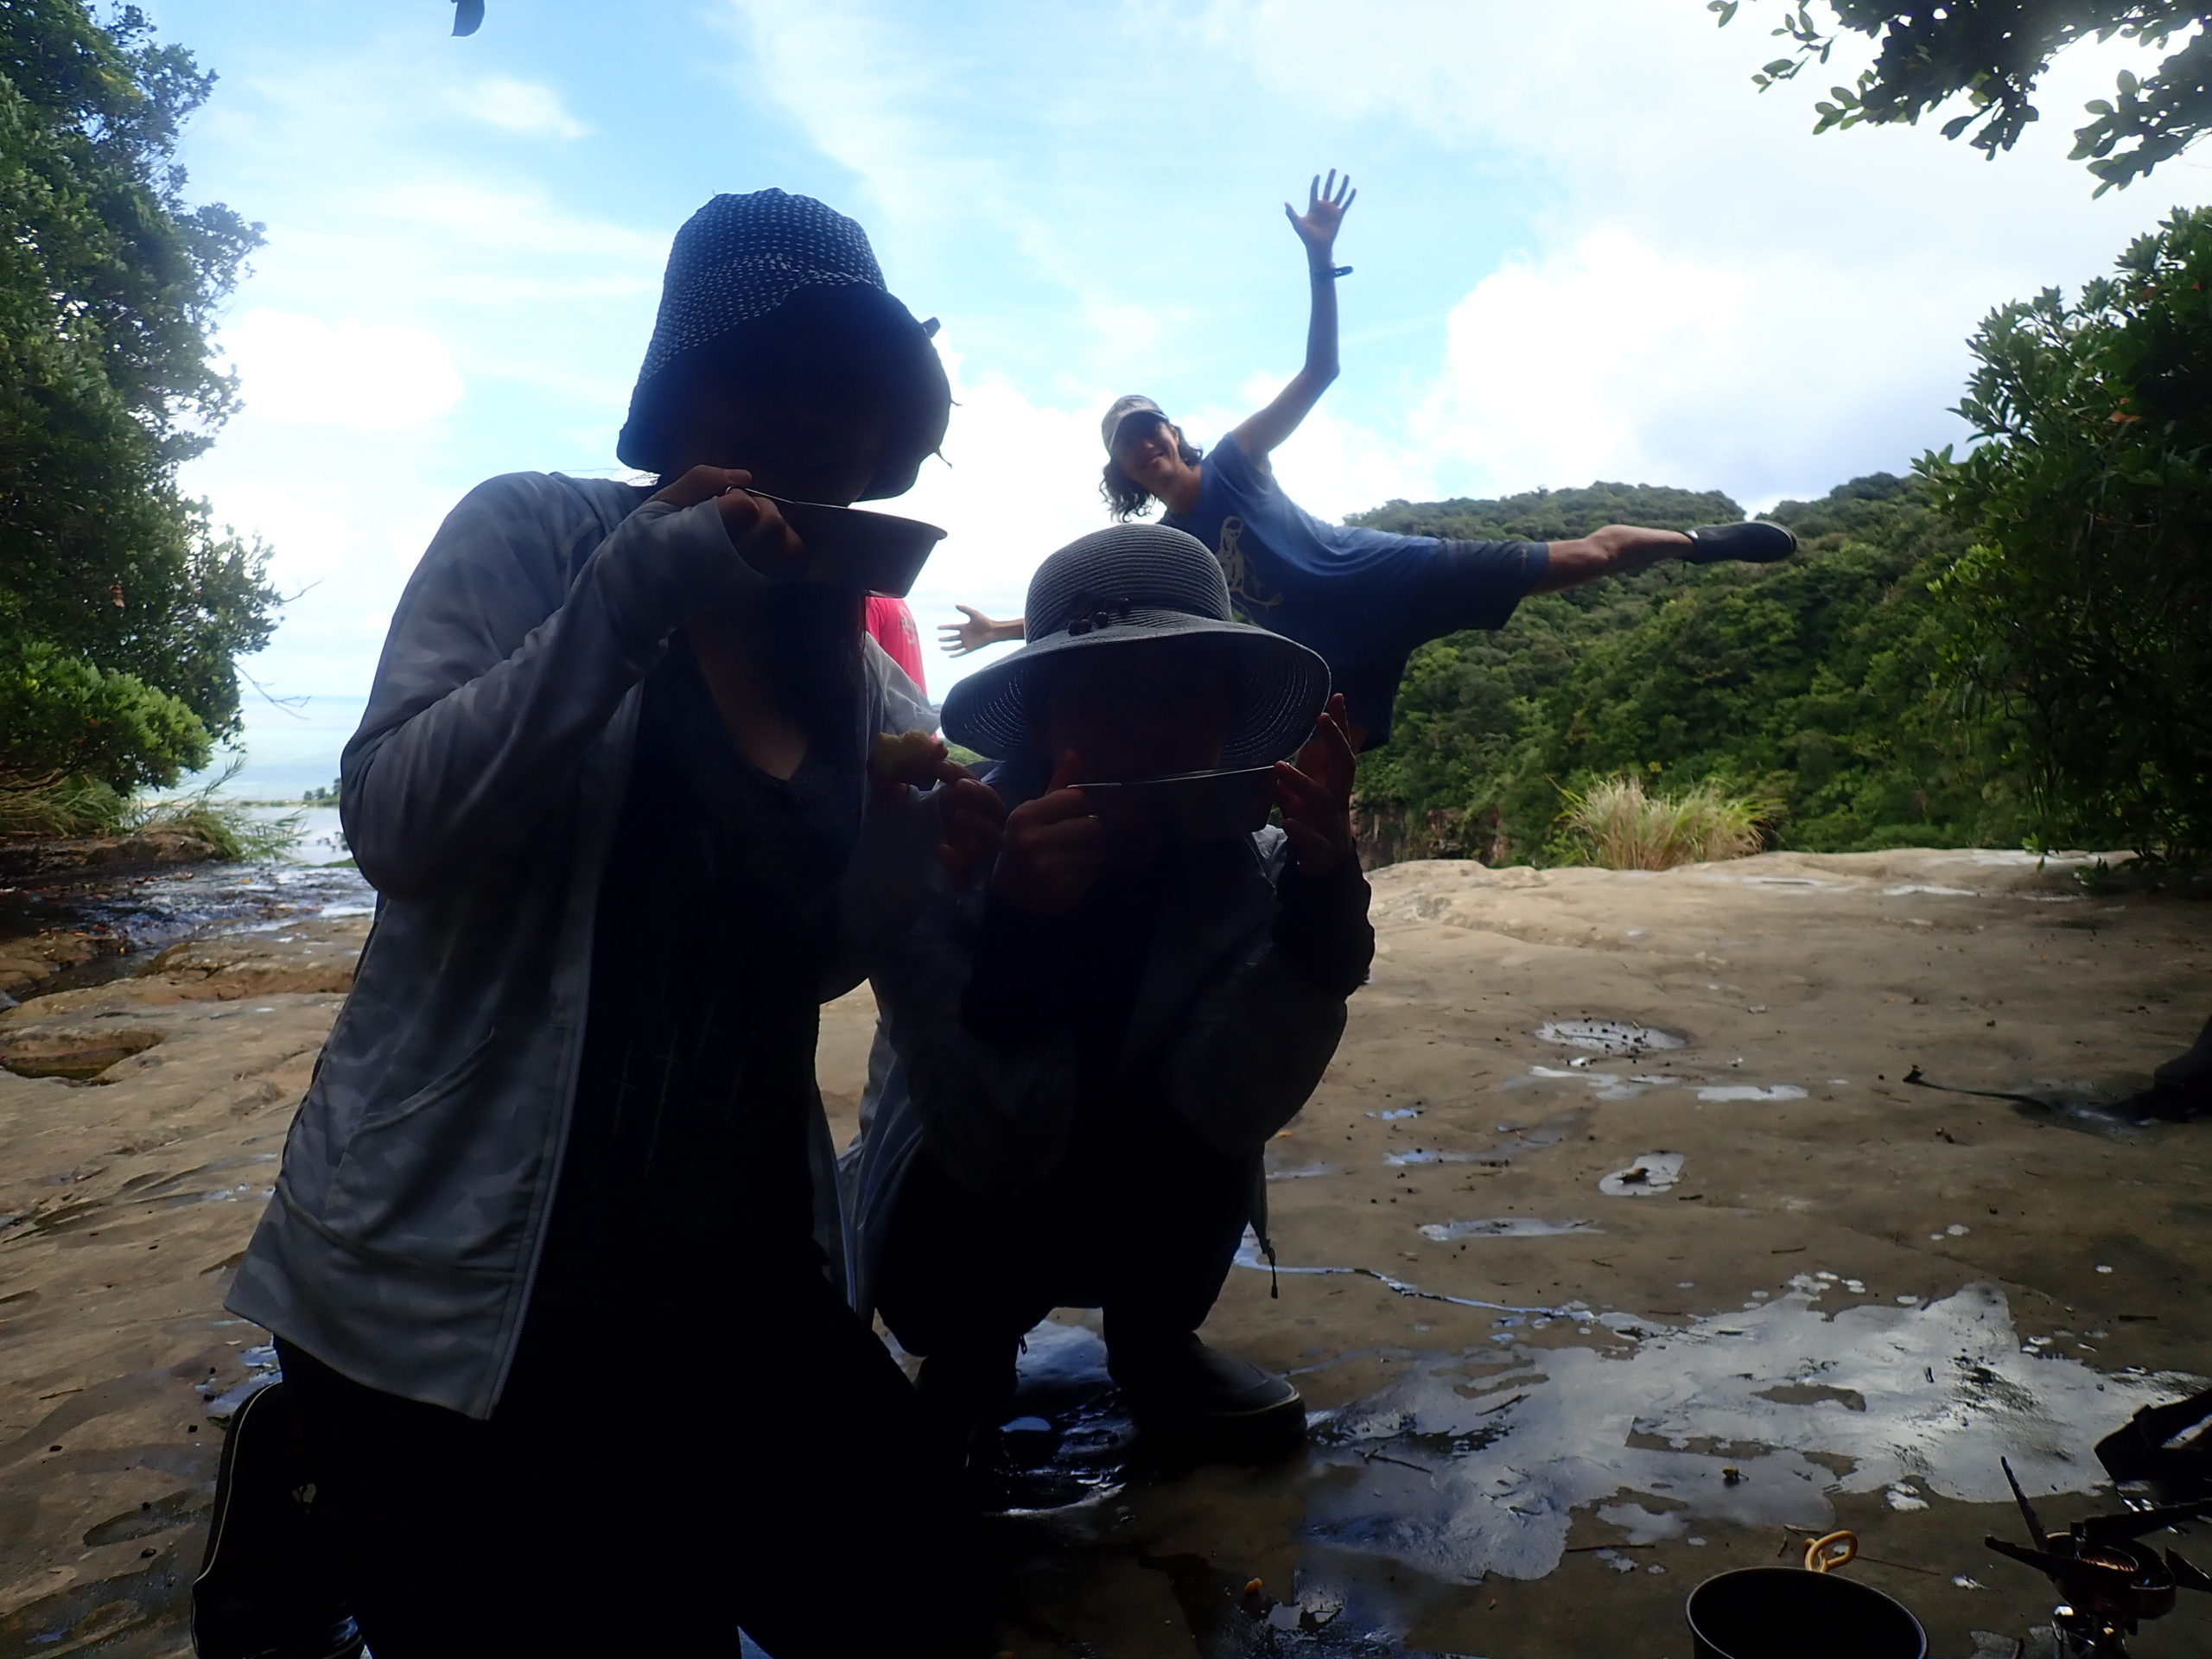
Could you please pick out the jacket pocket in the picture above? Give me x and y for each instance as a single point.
(440, 1175)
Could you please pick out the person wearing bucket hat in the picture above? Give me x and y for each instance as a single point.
(1096, 1038)
(612, 789)
(1363, 598)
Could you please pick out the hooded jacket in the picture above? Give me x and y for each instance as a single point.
(479, 798)
(1236, 1016)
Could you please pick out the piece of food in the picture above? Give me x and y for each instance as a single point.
(911, 758)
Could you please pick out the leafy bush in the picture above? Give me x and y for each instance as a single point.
(1614, 823)
(68, 719)
(2084, 605)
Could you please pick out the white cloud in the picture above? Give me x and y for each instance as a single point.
(1018, 480)
(370, 376)
(522, 107)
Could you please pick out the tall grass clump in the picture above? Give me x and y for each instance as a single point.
(229, 827)
(55, 807)
(1615, 823)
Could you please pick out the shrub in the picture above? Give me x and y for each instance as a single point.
(1613, 822)
(67, 718)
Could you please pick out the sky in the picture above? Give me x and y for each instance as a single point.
(1584, 247)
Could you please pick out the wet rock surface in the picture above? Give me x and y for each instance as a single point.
(1541, 1412)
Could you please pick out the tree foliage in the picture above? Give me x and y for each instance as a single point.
(1992, 53)
(1817, 684)
(2085, 603)
(120, 605)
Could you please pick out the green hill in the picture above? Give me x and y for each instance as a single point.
(1813, 684)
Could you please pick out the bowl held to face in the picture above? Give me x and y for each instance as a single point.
(1189, 805)
(876, 552)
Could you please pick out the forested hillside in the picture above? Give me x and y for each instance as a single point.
(1816, 685)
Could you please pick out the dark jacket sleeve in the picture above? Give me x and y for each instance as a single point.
(1259, 1038)
(499, 674)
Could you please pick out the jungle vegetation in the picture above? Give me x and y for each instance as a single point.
(123, 609)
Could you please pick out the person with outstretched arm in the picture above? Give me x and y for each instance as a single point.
(1363, 599)
(549, 1260)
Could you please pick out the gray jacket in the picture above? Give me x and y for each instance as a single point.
(479, 798)
(1237, 1029)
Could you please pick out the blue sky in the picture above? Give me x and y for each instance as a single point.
(1584, 247)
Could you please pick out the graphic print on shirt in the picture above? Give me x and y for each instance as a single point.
(1247, 592)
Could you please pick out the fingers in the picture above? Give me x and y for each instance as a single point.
(702, 484)
(1313, 192)
(970, 611)
(759, 533)
(1315, 855)
(1297, 792)
(1069, 769)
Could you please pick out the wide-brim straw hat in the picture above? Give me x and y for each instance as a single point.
(1124, 586)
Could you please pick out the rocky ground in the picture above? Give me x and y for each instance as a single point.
(1552, 1393)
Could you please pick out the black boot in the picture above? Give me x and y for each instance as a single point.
(1202, 1400)
(267, 1589)
(2181, 1089)
(1754, 541)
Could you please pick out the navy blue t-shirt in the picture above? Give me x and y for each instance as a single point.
(1362, 598)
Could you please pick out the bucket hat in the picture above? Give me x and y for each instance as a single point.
(735, 263)
(1122, 586)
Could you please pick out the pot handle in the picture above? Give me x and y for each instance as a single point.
(1835, 1549)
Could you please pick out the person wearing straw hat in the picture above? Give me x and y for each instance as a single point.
(610, 788)
(1364, 599)
(1096, 1038)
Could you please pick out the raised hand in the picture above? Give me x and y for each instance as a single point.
(971, 819)
(1326, 206)
(958, 639)
(755, 529)
(1054, 848)
(1314, 792)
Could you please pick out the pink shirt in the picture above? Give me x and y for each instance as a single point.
(892, 625)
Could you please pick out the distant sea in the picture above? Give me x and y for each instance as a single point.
(288, 749)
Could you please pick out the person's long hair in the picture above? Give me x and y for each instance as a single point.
(1125, 498)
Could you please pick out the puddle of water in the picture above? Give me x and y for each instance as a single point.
(1745, 1091)
(1303, 1172)
(1919, 1400)
(1505, 1227)
(1654, 1171)
(1608, 1036)
(1397, 1114)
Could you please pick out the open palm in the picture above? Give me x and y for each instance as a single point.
(1326, 206)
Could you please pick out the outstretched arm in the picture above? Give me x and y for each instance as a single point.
(958, 639)
(1317, 226)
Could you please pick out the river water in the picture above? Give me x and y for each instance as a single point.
(131, 918)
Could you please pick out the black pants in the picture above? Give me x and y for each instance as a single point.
(652, 1495)
(1141, 1220)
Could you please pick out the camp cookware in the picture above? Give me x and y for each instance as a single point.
(876, 552)
(1785, 1612)
(1189, 805)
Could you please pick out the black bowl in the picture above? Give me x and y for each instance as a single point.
(876, 552)
(1189, 805)
(1787, 1612)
